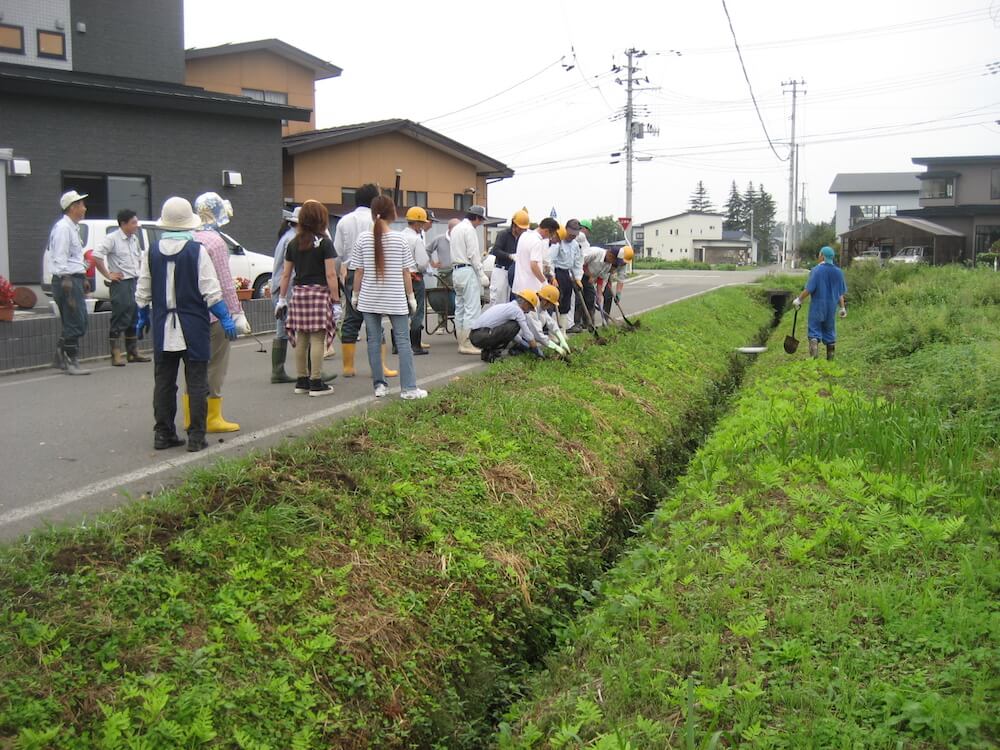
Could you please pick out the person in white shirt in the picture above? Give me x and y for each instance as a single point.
(468, 275)
(177, 276)
(349, 229)
(69, 281)
(116, 257)
(532, 253)
(416, 221)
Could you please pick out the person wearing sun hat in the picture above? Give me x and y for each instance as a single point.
(178, 278)
(827, 287)
(69, 281)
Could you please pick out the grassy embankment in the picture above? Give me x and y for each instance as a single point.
(658, 264)
(387, 582)
(826, 574)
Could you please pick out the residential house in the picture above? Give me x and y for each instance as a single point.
(694, 236)
(961, 193)
(869, 196)
(93, 98)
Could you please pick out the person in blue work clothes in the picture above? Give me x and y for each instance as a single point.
(177, 276)
(827, 287)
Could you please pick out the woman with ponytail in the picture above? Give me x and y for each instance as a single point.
(381, 261)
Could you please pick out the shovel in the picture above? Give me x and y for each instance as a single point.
(632, 325)
(792, 343)
(586, 314)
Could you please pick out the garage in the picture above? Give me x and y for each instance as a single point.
(892, 234)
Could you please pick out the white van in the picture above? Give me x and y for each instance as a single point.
(911, 254)
(253, 266)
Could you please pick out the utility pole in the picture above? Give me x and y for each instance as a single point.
(802, 204)
(790, 230)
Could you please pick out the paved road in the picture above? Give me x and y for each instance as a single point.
(72, 446)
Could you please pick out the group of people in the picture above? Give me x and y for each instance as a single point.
(182, 291)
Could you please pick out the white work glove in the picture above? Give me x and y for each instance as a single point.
(796, 303)
(554, 346)
(354, 300)
(484, 279)
(843, 312)
(338, 313)
(281, 309)
(411, 300)
(242, 324)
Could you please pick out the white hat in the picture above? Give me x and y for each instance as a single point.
(68, 199)
(178, 215)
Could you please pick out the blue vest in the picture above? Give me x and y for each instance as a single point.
(191, 312)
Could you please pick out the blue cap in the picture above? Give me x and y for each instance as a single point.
(828, 252)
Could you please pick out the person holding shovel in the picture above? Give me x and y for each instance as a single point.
(827, 287)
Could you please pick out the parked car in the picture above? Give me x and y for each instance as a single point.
(242, 262)
(871, 256)
(911, 254)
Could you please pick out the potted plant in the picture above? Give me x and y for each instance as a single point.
(6, 299)
(243, 289)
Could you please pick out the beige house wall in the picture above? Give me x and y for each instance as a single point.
(230, 74)
(322, 174)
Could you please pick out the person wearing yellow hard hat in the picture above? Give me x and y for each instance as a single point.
(504, 250)
(602, 267)
(548, 304)
(506, 324)
(416, 221)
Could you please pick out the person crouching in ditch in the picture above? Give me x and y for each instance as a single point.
(827, 287)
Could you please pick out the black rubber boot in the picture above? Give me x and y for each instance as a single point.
(416, 345)
(829, 350)
(279, 353)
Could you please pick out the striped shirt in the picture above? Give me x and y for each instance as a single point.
(388, 294)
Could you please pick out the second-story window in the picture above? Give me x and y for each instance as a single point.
(995, 184)
(941, 187)
(52, 44)
(11, 38)
(416, 198)
(462, 201)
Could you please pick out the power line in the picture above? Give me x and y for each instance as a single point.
(749, 85)
(499, 93)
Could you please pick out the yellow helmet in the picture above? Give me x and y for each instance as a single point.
(528, 296)
(562, 233)
(416, 213)
(549, 293)
(521, 219)
(627, 254)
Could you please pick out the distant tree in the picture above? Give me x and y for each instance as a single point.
(606, 229)
(814, 236)
(763, 223)
(733, 209)
(699, 200)
(747, 207)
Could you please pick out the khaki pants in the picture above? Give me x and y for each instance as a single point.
(304, 342)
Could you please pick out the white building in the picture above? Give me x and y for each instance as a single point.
(695, 236)
(869, 196)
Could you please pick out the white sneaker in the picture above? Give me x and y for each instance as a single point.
(381, 390)
(413, 393)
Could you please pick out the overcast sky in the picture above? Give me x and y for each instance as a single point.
(886, 80)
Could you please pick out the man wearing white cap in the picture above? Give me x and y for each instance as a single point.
(178, 278)
(69, 281)
(468, 275)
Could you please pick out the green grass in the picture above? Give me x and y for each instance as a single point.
(826, 573)
(658, 264)
(387, 582)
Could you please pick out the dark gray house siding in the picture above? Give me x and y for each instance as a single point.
(125, 38)
(182, 153)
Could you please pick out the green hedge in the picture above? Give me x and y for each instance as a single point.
(387, 582)
(658, 264)
(826, 573)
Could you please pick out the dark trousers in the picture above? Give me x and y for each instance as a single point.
(589, 300)
(72, 312)
(350, 327)
(564, 279)
(609, 298)
(165, 393)
(510, 282)
(493, 339)
(417, 318)
(123, 308)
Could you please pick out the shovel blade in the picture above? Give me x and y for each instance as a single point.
(791, 344)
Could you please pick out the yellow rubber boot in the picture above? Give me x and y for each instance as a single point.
(347, 354)
(386, 372)
(216, 422)
(186, 406)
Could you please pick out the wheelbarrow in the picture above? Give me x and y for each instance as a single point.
(440, 310)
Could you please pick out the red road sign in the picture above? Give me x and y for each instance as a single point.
(625, 221)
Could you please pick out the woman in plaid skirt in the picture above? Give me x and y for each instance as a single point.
(310, 321)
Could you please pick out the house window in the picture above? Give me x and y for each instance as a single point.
(938, 188)
(107, 194)
(389, 193)
(268, 97)
(462, 201)
(986, 235)
(657, 232)
(416, 198)
(995, 184)
(52, 44)
(347, 196)
(869, 213)
(11, 38)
